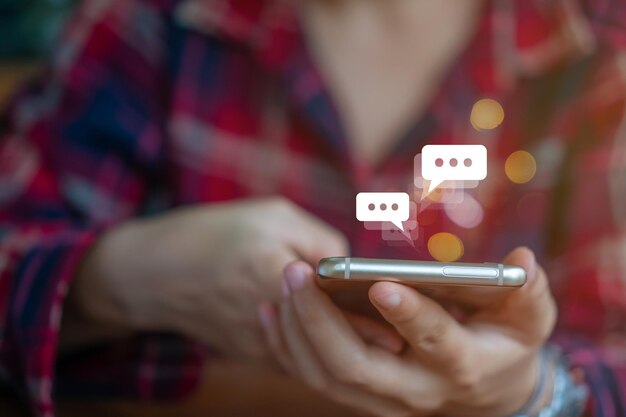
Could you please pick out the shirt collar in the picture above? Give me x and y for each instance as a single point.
(530, 37)
(268, 27)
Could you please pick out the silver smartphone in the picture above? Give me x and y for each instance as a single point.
(465, 283)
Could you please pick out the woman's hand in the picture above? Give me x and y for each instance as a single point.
(201, 271)
(486, 366)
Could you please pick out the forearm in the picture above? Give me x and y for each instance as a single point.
(100, 306)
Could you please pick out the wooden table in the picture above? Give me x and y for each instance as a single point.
(228, 390)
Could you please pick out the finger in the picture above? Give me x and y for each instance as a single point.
(268, 317)
(266, 272)
(323, 322)
(375, 333)
(521, 323)
(529, 312)
(343, 353)
(429, 329)
(305, 362)
(313, 372)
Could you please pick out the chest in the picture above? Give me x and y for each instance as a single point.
(238, 131)
(382, 73)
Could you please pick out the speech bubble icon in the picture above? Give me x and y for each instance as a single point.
(409, 235)
(453, 162)
(383, 207)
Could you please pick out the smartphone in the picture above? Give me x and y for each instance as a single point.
(468, 284)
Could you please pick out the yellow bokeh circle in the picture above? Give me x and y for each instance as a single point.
(520, 167)
(486, 114)
(445, 247)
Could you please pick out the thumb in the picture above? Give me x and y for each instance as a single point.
(530, 309)
(525, 258)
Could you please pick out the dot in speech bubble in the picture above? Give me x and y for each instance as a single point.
(406, 225)
(420, 183)
(453, 162)
(383, 207)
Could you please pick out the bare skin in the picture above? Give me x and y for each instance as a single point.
(486, 366)
(383, 61)
(202, 271)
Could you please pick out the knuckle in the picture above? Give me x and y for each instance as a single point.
(466, 379)
(434, 337)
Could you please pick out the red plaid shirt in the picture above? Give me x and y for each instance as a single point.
(151, 104)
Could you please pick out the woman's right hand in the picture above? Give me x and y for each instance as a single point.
(202, 271)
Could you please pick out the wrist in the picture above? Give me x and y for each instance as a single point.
(562, 395)
(99, 293)
(542, 394)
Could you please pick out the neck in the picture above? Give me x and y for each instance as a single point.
(393, 16)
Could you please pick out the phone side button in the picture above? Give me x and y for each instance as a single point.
(473, 272)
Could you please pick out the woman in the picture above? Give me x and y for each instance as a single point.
(182, 153)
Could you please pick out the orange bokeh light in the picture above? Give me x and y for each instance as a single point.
(445, 247)
(486, 114)
(520, 167)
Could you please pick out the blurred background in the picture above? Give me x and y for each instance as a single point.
(28, 29)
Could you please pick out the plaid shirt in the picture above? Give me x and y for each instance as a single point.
(152, 104)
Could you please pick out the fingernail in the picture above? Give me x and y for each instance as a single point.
(389, 301)
(296, 278)
(264, 314)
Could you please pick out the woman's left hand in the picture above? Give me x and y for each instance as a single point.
(487, 366)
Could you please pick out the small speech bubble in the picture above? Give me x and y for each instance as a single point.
(453, 162)
(410, 235)
(383, 207)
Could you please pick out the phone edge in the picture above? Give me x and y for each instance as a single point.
(338, 268)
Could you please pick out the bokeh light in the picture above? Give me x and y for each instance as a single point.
(520, 167)
(486, 114)
(445, 247)
(468, 213)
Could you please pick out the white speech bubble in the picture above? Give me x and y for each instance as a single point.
(453, 162)
(406, 225)
(420, 183)
(383, 207)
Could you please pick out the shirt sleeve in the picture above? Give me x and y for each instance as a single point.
(589, 275)
(80, 152)
(591, 333)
